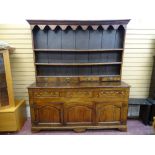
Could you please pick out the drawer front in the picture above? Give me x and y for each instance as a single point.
(80, 93)
(106, 93)
(76, 93)
(109, 78)
(89, 78)
(46, 93)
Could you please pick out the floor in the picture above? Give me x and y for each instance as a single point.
(135, 127)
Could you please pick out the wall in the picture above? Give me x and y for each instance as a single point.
(137, 67)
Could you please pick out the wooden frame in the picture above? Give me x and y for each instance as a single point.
(9, 77)
(12, 115)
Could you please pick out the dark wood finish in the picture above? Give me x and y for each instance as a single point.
(79, 22)
(152, 93)
(80, 50)
(151, 111)
(144, 113)
(77, 64)
(152, 114)
(78, 46)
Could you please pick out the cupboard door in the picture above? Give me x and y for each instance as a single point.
(109, 112)
(47, 113)
(79, 113)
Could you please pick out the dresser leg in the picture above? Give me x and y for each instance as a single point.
(123, 129)
(78, 130)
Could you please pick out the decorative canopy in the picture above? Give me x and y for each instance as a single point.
(64, 24)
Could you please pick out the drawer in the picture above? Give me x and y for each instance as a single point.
(46, 93)
(80, 93)
(111, 93)
(76, 93)
(111, 78)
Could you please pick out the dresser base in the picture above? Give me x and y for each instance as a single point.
(79, 106)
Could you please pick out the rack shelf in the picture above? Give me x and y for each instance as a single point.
(78, 50)
(78, 76)
(78, 64)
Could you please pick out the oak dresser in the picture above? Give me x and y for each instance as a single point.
(78, 75)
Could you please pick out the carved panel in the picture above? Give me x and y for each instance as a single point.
(79, 113)
(108, 112)
(112, 93)
(48, 113)
(47, 93)
(115, 78)
(89, 78)
(78, 93)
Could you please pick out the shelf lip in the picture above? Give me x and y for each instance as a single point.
(78, 76)
(78, 64)
(79, 50)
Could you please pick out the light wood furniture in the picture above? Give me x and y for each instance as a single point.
(78, 75)
(13, 118)
(12, 112)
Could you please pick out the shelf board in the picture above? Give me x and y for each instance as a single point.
(78, 64)
(78, 76)
(79, 50)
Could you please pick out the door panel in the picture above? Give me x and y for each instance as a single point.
(108, 112)
(49, 113)
(79, 113)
